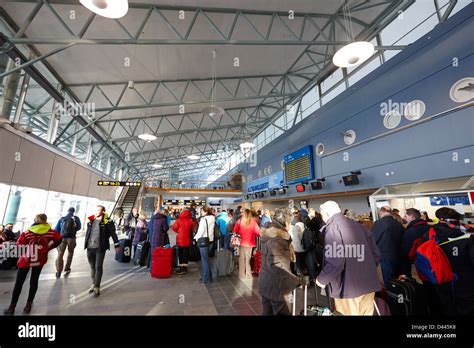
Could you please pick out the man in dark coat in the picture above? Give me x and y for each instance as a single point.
(388, 234)
(275, 279)
(350, 263)
(415, 229)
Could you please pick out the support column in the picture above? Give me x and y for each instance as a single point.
(21, 100)
(9, 90)
(89, 150)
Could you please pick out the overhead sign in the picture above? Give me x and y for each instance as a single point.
(267, 182)
(119, 183)
(299, 166)
(186, 202)
(449, 200)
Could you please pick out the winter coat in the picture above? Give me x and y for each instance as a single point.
(313, 244)
(107, 230)
(296, 233)
(182, 227)
(248, 233)
(160, 230)
(222, 221)
(206, 228)
(59, 225)
(414, 230)
(350, 259)
(265, 218)
(275, 279)
(460, 251)
(141, 230)
(388, 234)
(40, 239)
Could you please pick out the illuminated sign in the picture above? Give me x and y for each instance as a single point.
(299, 166)
(186, 202)
(119, 183)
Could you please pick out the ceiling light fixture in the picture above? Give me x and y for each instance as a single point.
(157, 165)
(354, 53)
(147, 137)
(247, 145)
(193, 157)
(213, 110)
(107, 8)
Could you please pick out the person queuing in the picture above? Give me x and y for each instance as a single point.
(265, 218)
(313, 244)
(351, 278)
(131, 223)
(40, 239)
(141, 230)
(222, 221)
(97, 241)
(68, 226)
(183, 228)
(275, 279)
(396, 216)
(247, 228)
(457, 242)
(388, 234)
(160, 237)
(296, 232)
(415, 229)
(424, 216)
(204, 238)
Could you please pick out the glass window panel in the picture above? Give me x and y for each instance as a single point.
(334, 93)
(365, 70)
(331, 80)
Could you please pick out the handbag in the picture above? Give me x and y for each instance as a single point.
(204, 242)
(235, 240)
(194, 253)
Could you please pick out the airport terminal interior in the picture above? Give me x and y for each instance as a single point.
(208, 157)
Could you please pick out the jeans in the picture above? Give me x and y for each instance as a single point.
(70, 244)
(270, 307)
(206, 275)
(96, 262)
(183, 256)
(20, 280)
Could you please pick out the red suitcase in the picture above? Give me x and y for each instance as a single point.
(162, 262)
(257, 262)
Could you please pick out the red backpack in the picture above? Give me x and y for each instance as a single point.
(431, 262)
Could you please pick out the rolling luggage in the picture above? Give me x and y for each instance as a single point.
(125, 252)
(406, 297)
(224, 261)
(141, 254)
(162, 262)
(321, 308)
(175, 258)
(256, 261)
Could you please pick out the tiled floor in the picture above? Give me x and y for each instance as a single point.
(130, 290)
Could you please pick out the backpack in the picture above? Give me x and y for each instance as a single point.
(68, 227)
(431, 262)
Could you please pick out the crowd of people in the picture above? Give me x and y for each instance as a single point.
(297, 246)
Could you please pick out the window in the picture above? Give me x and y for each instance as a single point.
(331, 80)
(334, 93)
(310, 102)
(364, 70)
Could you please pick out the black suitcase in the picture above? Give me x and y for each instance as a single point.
(141, 254)
(322, 307)
(175, 258)
(125, 252)
(406, 297)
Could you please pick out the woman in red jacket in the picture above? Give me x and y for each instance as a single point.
(37, 242)
(247, 228)
(182, 227)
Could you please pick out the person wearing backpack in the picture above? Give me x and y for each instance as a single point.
(40, 238)
(454, 297)
(68, 226)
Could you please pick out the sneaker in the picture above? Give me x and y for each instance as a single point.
(91, 289)
(27, 308)
(58, 274)
(96, 292)
(67, 270)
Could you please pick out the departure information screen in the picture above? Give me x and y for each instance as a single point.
(299, 166)
(119, 183)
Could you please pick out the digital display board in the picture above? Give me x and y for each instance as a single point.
(299, 166)
(186, 202)
(119, 183)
